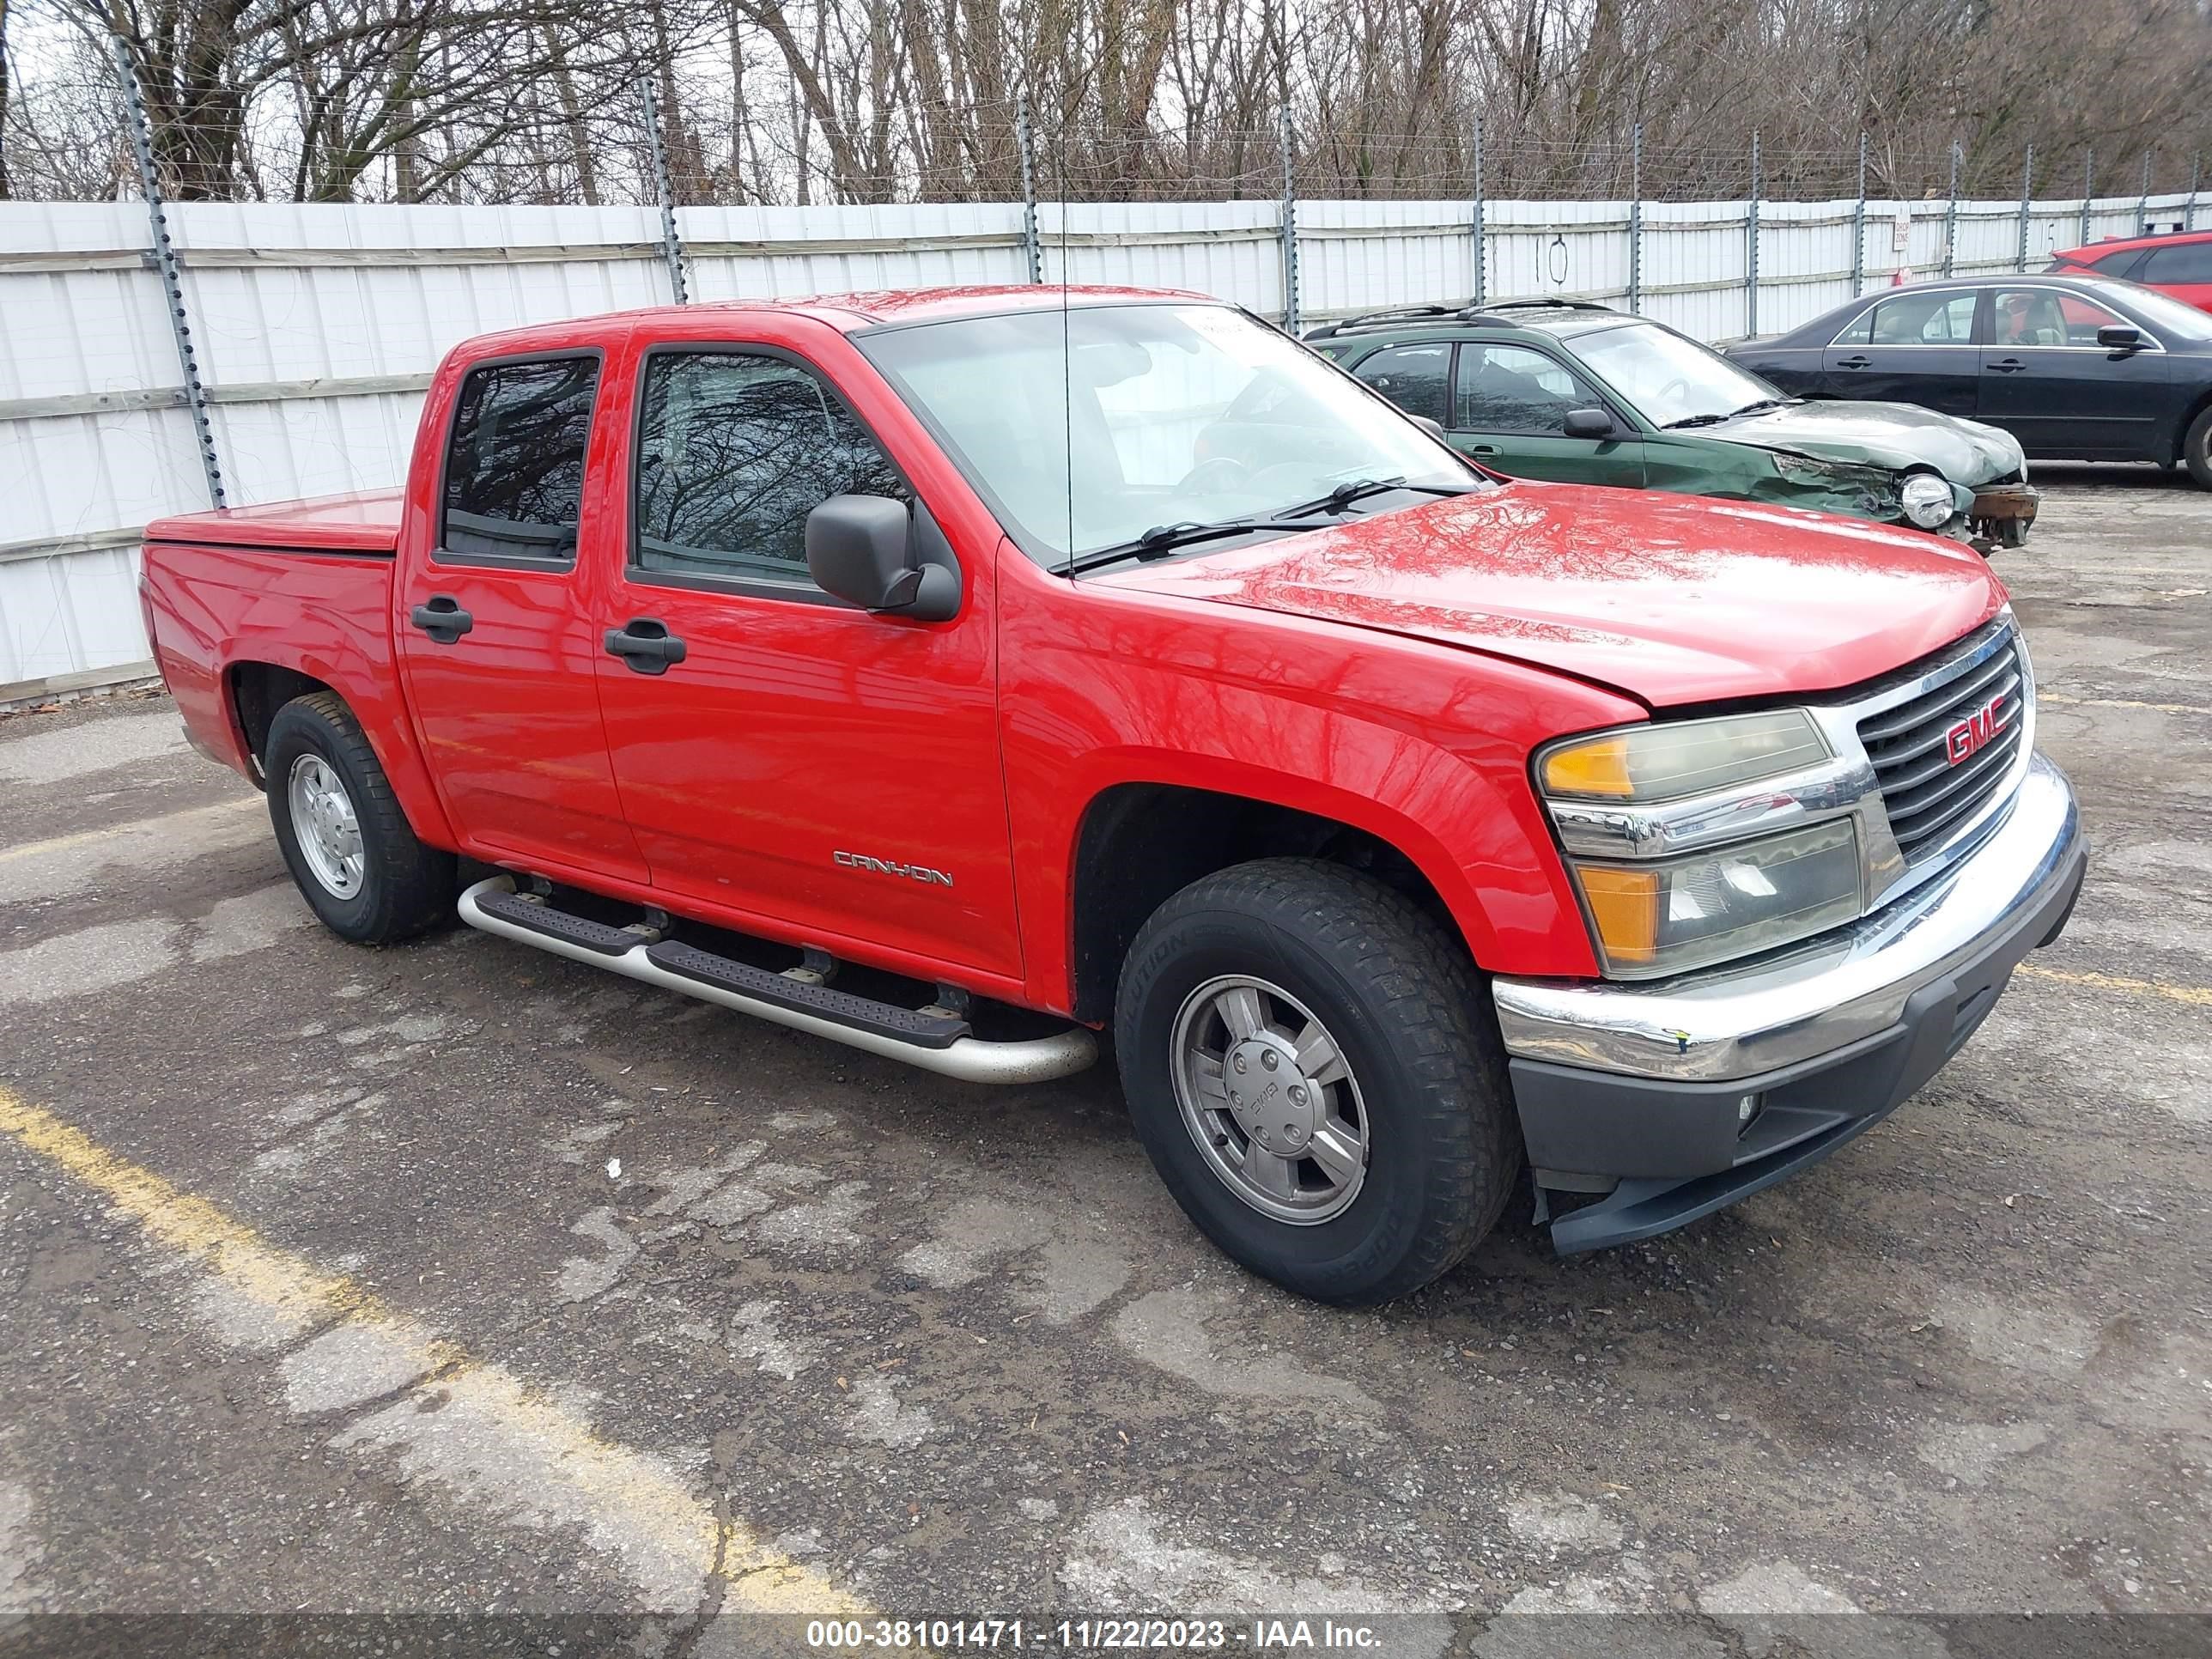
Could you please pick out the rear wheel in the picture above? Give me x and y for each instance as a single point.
(1312, 1065)
(2197, 448)
(349, 847)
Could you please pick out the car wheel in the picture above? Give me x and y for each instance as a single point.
(2197, 448)
(1311, 1062)
(350, 849)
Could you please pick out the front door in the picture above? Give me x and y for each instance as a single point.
(1510, 406)
(831, 775)
(2046, 381)
(1915, 347)
(497, 639)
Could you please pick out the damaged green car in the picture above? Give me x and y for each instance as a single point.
(1583, 393)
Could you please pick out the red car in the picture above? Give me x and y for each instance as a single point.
(953, 674)
(2179, 263)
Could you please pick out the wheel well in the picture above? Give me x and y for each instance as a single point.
(1141, 843)
(257, 690)
(2188, 418)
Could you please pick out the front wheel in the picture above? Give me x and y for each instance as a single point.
(2197, 448)
(1312, 1065)
(355, 858)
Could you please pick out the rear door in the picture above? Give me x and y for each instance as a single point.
(498, 635)
(2182, 270)
(2046, 381)
(1509, 412)
(833, 776)
(1916, 346)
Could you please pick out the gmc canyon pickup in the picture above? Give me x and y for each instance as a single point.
(956, 674)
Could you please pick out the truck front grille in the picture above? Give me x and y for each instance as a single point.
(1926, 791)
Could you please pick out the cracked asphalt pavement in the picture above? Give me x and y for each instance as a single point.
(457, 1279)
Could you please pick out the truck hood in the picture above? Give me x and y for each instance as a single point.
(366, 522)
(1673, 599)
(1894, 435)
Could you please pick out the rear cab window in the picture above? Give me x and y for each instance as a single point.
(513, 485)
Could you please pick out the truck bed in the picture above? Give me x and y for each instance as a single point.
(363, 524)
(304, 589)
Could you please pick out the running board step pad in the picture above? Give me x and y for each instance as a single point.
(924, 1030)
(542, 918)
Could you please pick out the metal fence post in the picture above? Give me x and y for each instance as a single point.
(1951, 217)
(2143, 202)
(1636, 218)
(1751, 245)
(671, 246)
(1290, 226)
(1858, 227)
(1027, 141)
(2088, 188)
(165, 265)
(2027, 207)
(1481, 249)
(2195, 171)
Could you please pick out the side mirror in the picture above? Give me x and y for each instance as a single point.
(1434, 429)
(863, 549)
(2115, 337)
(1588, 423)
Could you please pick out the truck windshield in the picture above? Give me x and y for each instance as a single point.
(1176, 416)
(1671, 380)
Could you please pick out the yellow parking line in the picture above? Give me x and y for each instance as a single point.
(2195, 996)
(135, 827)
(601, 1476)
(2124, 703)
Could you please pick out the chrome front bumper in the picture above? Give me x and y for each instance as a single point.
(1728, 1022)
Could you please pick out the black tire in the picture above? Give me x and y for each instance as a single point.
(1411, 1017)
(2197, 448)
(402, 886)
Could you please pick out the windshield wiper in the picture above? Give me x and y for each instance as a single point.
(1695, 420)
(1766, 402)
(1354, 489)
(1163, 539)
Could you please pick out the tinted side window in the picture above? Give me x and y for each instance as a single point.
(1858, 332)
(1509, 388)
(1923, 320)
(1417, 377)
(734, 452)
(2122, 263)
(514, 466)
(2185, 262)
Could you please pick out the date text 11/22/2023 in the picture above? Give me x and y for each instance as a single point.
(1286, 1634)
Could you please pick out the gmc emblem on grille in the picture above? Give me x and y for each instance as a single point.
(1973, 732)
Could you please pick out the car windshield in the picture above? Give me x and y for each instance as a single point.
(1668, 379)
(2171, 317)
(1179, 416)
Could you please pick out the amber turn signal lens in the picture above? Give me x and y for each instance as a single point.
(1624, 906)
(1589, 768)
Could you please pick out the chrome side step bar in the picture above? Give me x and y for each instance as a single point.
(925, 1038)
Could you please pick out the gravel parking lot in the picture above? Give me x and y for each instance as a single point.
(458, 1277)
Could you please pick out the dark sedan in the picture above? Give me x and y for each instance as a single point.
(2076, 367)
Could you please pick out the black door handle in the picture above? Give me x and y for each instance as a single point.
(646, 644)
(1855, 362)
(1486, 451)
(2006, 366)
(442, 619)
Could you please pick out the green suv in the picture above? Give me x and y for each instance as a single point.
(1582, 393)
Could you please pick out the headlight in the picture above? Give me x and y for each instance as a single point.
(1654, 919)
(1684, 758)
(1927, 501)
(1655, 916)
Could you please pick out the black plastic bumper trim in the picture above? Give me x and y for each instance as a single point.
(1680, 1149)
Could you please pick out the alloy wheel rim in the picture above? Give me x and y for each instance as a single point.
(326, 825)
(1268, 1098)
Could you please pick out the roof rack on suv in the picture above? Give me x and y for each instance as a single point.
(1434, 313)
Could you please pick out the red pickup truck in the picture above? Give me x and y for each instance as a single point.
(956, 674)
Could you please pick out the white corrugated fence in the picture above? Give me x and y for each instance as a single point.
(316, 327)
